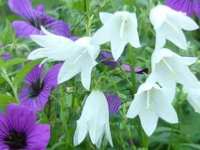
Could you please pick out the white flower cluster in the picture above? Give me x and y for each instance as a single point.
(154, 97)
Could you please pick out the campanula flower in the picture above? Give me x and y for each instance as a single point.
(150, 103)
(169, 25)
(120, 29)
(79, 56)
(94, 120)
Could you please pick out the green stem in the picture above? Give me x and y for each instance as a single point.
(4, 74)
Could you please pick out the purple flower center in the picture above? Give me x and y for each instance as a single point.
(16, 140)
(36, 88)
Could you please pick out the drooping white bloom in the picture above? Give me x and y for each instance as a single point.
(168, 67)
(94, 120)
(120, 29)
(78, 56)
(169, 24)
(151, 102)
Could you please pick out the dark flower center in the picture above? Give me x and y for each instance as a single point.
(36, 88)
(36, 23)
(16, 140)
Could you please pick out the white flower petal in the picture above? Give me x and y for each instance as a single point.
(160, 40)
(108, 135)
(80, 132)
(47, 53)
(159, 10)
(188, 60)
(136, 106)
(68, 71)
(86, 71)
(149, 121)
(105, 17)
(117, 47)
(175, 35)
(133, 36)
(96, 131)
(163, 106)
(183, 21)
(194, 98)
(183, 74)
(102, 35)
(95, 114)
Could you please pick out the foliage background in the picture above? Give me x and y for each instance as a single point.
(66, 102)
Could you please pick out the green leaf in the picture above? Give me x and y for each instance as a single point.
(7, 36)
(5, 100)
(12, 62)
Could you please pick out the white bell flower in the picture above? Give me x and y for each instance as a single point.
(120, 29)
(78, 56)
(150, 103)
(169, 24)
(169, 68)
(94, 120)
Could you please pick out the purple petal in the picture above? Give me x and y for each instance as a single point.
(106, 58)
(140, 70)
(40, 8)
(20, 118)
(35, 74)
(3, 146)
(114, 103)
(52, 75)
(181, 5)
(57, 26)
(73, 38)
(24, 29)
(4, 129)
(37, 103)
(39, 137)
(6, 56)
(196, 7)
(127, 68)
(22, 8)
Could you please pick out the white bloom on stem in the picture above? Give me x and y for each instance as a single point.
(151, 102)
(168, 67)
(120, 29)
(94, 120)
(169, 24)
(79, 56)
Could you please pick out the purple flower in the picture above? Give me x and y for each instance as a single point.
(106, 58)
(6, 56)
(140, 70)
(191, 7)
(126, 67)
(34, 19)
(114, 103)
(38, 87)
(19, 130)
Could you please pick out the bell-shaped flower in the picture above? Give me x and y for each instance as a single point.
(94, 120)
(169, 68)
(120, 29)
(150, 103)
(169, 25)
(79, 56)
